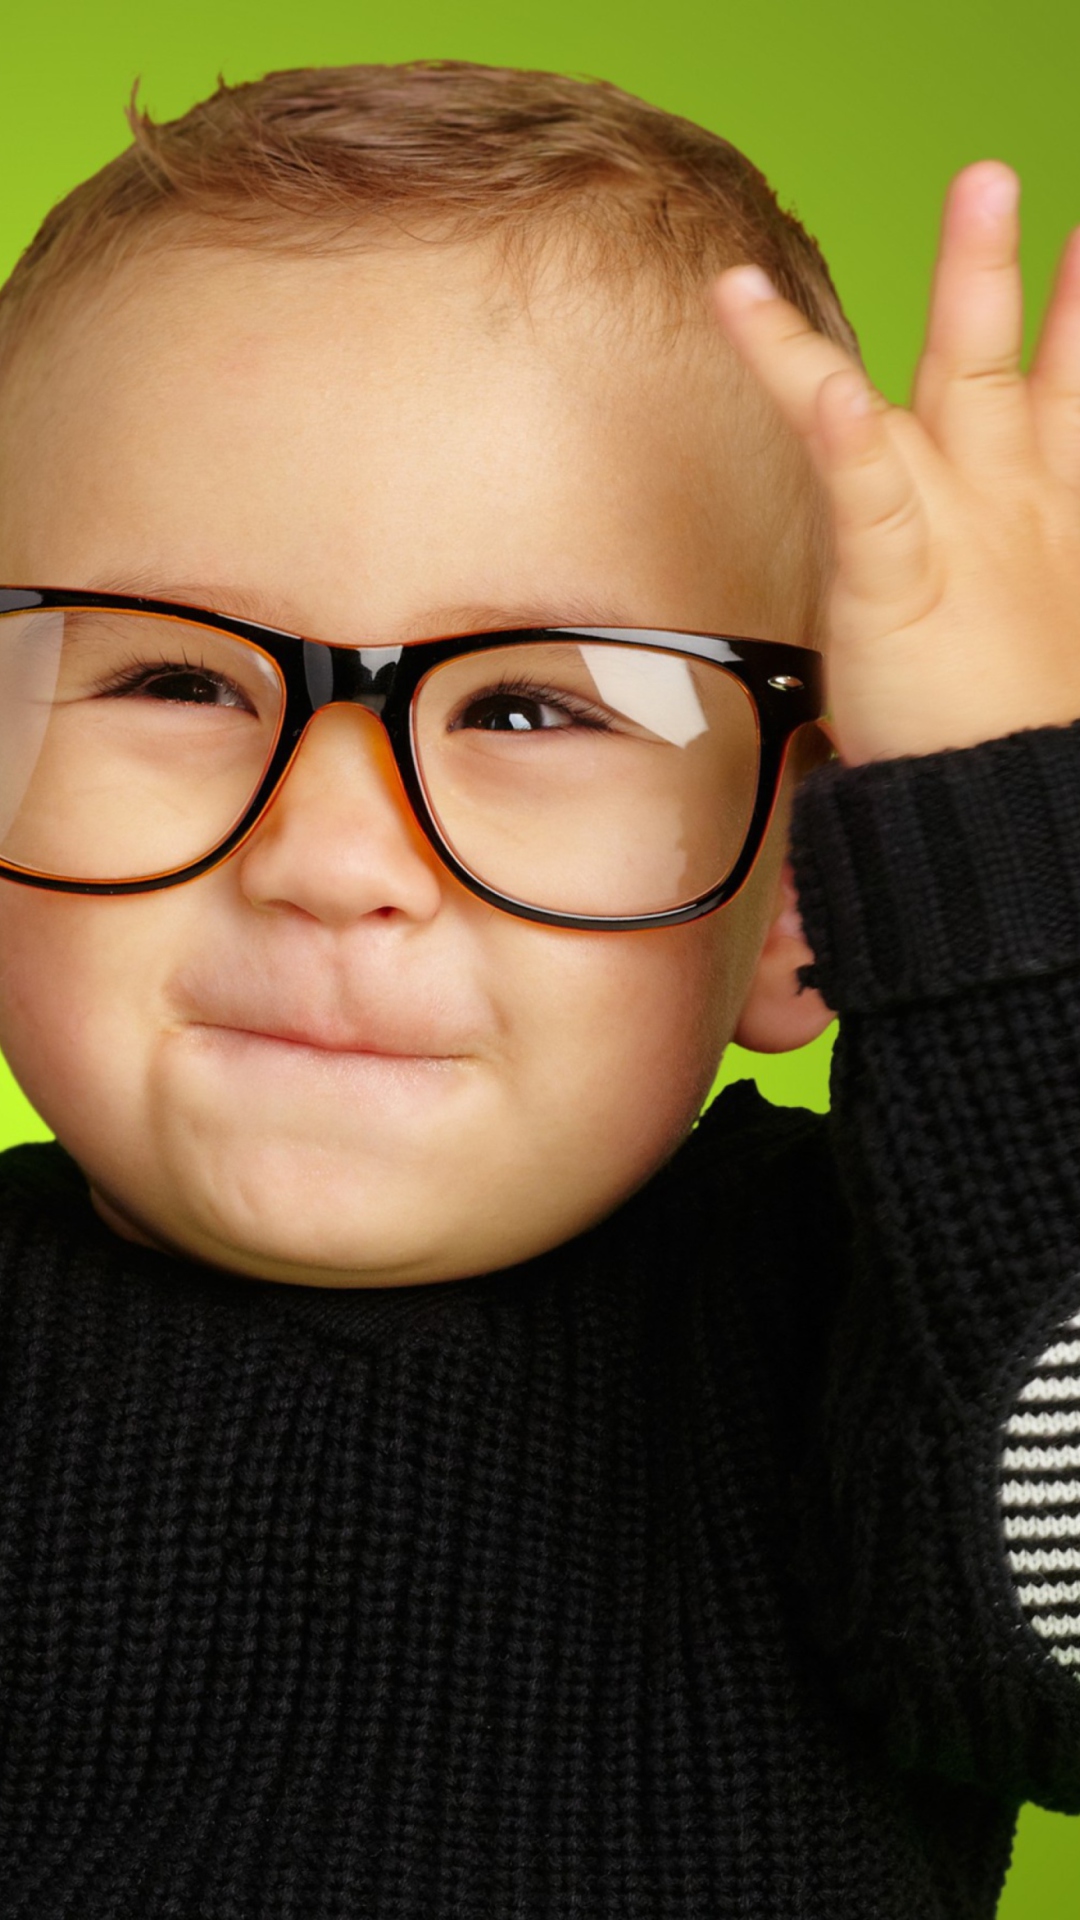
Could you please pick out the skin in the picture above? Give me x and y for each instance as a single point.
(325, 1062)
(955, 606)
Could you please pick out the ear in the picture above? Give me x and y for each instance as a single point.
(777, 1014)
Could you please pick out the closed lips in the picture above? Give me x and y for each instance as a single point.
(394, 1041)
(329, 1043)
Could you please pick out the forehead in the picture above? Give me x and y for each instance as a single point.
(382, 435)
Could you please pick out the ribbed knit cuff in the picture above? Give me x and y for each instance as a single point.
(921, 877)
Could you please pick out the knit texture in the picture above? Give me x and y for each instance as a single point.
(924, 877)
(660, 1578)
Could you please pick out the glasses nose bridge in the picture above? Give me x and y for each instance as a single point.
(360, 676)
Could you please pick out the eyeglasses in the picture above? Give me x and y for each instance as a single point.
(596, 777)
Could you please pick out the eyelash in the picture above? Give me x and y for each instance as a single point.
(576, 709)
(139, 674)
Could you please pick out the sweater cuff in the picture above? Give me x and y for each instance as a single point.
(921, 877)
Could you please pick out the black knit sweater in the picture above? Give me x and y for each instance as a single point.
(724, 1562)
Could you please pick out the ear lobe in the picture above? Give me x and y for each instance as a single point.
(777, 1014)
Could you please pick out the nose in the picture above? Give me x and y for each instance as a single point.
(340, 840)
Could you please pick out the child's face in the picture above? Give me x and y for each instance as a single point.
(326, 1061)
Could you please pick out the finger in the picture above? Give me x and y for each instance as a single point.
(1055, 372)
(969, 390)
(778, 343)
(827, 398)
(879, 520)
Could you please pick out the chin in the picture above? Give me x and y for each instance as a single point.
(320, 1246)
(402, 1239)
(319, 1243)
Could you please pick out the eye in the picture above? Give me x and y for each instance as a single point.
(177, 683)
(526, 710)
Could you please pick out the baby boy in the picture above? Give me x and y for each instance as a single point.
(438, 1477)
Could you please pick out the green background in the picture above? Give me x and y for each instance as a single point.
(858, 113)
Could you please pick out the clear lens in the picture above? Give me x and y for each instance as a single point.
(587, 776)
(130, 743)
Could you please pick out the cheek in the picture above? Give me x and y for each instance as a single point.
(77, 978)
(619, 1035)
(48, 970)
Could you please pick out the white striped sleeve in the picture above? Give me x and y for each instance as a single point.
(1039, 1491)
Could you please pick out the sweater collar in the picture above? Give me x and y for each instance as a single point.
(44, 1172)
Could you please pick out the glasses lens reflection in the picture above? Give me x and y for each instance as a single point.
(588, 777)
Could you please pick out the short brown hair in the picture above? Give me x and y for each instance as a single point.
(309, 158)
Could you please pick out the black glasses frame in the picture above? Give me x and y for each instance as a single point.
(784, 681)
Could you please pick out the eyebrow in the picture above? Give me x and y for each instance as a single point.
(252, 603)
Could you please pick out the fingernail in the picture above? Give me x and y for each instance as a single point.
(753, 284)
(1000, 194)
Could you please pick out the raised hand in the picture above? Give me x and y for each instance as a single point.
(955, 606)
